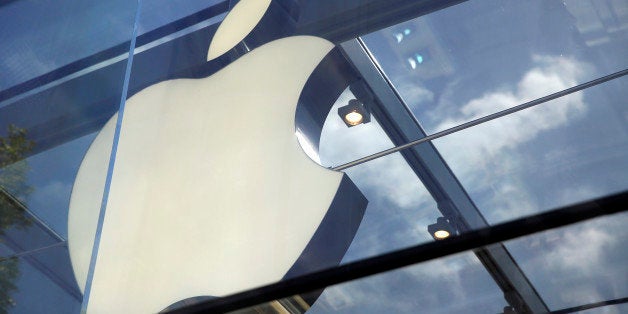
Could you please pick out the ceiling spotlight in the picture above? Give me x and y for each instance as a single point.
(354, 113)
(441, 229)
(354, 118)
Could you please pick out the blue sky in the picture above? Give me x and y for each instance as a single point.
(476, 58)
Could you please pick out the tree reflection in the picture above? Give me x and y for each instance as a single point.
(9, 271)
(13, 170)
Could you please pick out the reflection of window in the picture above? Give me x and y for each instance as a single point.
(599, 21)
(416, 60)
(423, 52)
(402, 34)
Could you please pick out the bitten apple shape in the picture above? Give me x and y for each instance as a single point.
(211, 192)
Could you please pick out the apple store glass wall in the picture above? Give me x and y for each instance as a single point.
(160, 156)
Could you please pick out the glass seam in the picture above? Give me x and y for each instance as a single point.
(37, 250)
(112, 158)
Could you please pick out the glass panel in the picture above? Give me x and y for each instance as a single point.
(397, 199)
(480, 57)
(451, 285)
(579, 264)
(561, 152)
(39, 283)
(399, 208)
(51, 145)
(475, 59)
(39, 37)
(157, 13)
(53, 173)
(46, 126)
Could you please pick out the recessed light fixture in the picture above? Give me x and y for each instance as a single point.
(441, 229)
(354, 113)
(354, 118)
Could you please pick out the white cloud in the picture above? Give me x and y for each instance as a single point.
(414, 94)
(584, 257)
(428, 286)
(488, 154)
(391, 178)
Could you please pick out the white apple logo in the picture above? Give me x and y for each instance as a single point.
(211, 193)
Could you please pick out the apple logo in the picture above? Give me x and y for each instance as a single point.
(211, 192)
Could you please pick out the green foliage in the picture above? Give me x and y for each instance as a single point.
(9, 272)
(13, 171)
(14, 146)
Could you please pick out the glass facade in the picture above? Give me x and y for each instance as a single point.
(431, 286)
(130, 160)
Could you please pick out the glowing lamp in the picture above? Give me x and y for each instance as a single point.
(354, 113)
(441, 229)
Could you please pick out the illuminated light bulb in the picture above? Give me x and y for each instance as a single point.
(406, 31)
(354, 113)
(441, 234)
(354, 118)
(441, 230)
